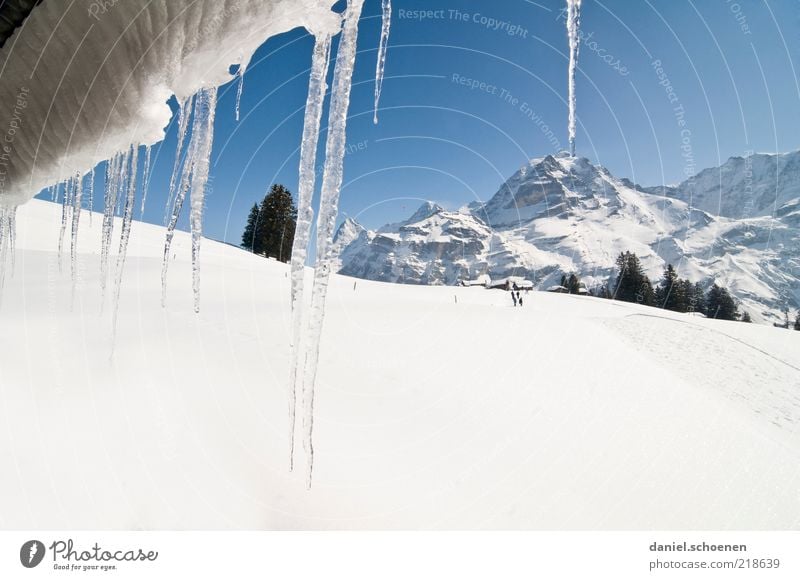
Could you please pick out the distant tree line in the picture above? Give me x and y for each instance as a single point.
(631, 284)
(271, 225)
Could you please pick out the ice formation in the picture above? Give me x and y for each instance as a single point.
(573, 25)
(308, 159)
(145, 178)
(203, 131)
(326, 219)
(128, 182)
(108, 106)
(7, 233)
(239, 88)
(386, 23)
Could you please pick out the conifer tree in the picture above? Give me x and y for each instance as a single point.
(632, 284)
(271, 225)
(671, 291)
(698, 298)
(720, 304)
(797, 321)
(248, 237)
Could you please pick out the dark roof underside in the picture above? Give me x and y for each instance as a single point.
(12, 14)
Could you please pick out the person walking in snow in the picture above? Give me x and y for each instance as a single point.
(519, 298)
(514, 297)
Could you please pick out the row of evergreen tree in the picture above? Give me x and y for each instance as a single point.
(671, 293)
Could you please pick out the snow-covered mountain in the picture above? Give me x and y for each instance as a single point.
(738, 225)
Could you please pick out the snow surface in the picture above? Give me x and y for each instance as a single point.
(431, 412)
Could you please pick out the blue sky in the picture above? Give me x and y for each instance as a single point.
(473, 87)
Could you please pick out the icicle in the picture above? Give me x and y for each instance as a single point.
(180, 196)
(66, 206)
(7, 226)
(194, 176)
(239, 90)
(3, 236)
(184, 111)
(77, 194)
(573, 23)
(305, 214)
(12, 237)
(115, 181)
(127, 218)
(204, 123)
(326, 220)
(381, 64)
(145, 178)
(91, 196)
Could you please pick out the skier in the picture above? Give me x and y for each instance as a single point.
(514, 297)
(519, 298)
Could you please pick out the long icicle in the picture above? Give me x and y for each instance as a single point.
(573, 23)
(127, 219)
(326, 220)
(91, 196)
(6, 241)
(66, 206)
(77, 195)
(114, 175)
(12, 237)
(145, 178)
(305, 213)
(184, 112)
(177, 206)
(204, 122)
(239, 90)
(382, 47)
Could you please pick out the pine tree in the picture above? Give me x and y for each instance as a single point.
(632, 284)
(698, 298)
(720, 304)
(573, 284)
(746, 316)
(275, 225)
(797, 321)
(671, 291)
(248, 236)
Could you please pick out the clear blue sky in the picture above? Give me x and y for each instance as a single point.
(729, 65)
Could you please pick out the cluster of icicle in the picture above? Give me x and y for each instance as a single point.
(573, 24)
(189, 178)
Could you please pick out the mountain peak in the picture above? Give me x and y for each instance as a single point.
(425, 211)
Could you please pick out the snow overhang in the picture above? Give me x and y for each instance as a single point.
(83, 82)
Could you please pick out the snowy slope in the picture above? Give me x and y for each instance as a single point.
(569, 413)
(559, 214)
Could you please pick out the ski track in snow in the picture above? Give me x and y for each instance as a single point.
(767, 385)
